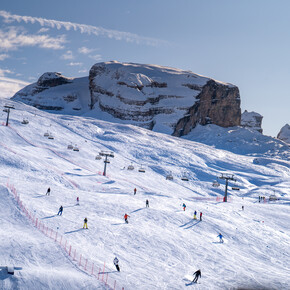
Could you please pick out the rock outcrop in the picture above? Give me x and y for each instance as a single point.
(162, 99)
(284, 134)
(252, 120)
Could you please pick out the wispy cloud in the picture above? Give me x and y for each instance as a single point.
(43, 30)
(83, 28)
(14, 37)
(68, 55)
(3, 72)
(75, 63)
(85, 50)
(96, 57)
(8, 86)
(3, 56)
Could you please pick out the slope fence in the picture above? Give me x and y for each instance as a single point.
(79, 260)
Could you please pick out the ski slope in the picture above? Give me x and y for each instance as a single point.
(162, 245)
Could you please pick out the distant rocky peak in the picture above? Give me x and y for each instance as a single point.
(252, 120)
(284, 134)
(52, 79)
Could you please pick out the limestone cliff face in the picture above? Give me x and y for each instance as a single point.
(217, 104)
(162, 99)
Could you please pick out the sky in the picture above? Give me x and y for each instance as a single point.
(244, 42)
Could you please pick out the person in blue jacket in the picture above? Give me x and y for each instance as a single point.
(184, 206)
(221, 237)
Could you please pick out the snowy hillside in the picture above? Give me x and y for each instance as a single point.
(162, 245)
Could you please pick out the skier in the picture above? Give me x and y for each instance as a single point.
(135, 190)
(60, 210)
(126, 218)
(85, 223)
(78, 201)
(197, 274)
(194, 215)
(242, 207)
(221, 237)
(259, 198)
(184, 206)
(200, 216)
(48, 191)
(147, 203)
(116, 263)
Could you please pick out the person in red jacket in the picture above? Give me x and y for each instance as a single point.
(200, 216)
(135, 190)
(126, 218)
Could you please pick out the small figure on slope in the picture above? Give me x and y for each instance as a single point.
(147, 203)
(116, 263)
(48, 191)
(200, 216)
(194, 215)
(184, 206)
(242, 207)
(60, 210)
(78, 201)
(126, 218)
(135, 190)
(197, 274)
(85, 223)
(221, 237)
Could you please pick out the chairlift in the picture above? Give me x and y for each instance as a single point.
(98, 157)
(25, 121)
(76, 148)
(184, 177)
(169, 176)
(141, 169)
(46, 134)
(70, 147)
(50, 136)
(235, 188)
(130, 167)
(216, 184)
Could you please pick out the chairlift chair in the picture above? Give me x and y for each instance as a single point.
(70, 147)
(76, 148)
(46, 134)
(25, 121)
(184, 177)
(130, 167)
(98, 157)
(50, 137)
(169, 176)
(235, 188)
(141, 169)
(215, 184)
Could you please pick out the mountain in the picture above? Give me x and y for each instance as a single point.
(284, 134)
(158, 98)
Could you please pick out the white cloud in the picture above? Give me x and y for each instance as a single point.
(8, 86)
(85, 50)
(83, 28)
(3, 56)
(96, 57)
(43, 30)
(3, 72)
(68, 55)
(75, 63)
(83, 71)
(14, 38)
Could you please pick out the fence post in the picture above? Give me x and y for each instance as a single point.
(69, 250)
(36, 222)
(55, 237)
(80, 262)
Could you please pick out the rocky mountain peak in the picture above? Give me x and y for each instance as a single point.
(284, 134)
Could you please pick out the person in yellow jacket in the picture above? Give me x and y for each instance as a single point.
(194, 215)
(85, 223)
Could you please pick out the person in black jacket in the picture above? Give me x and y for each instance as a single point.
(60, 210)
(85, 223)
(116, 263)
(197, 274)
(48, 191)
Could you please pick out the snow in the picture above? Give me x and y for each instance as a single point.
(284, 134)
(162, 245)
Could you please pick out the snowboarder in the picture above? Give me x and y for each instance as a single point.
(221, 237)
(60, 210)
(126, 218)
(48, 191)
(147, 203)
(194, 215)
(200, 216)
(197, 274)
(184, 206)
(85, 223)
(78, 201)
(116, 263)
(135, 190)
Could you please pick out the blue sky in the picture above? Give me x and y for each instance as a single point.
(246, 43)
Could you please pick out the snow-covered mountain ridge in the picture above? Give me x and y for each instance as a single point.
(158, 98)
(162, 245)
